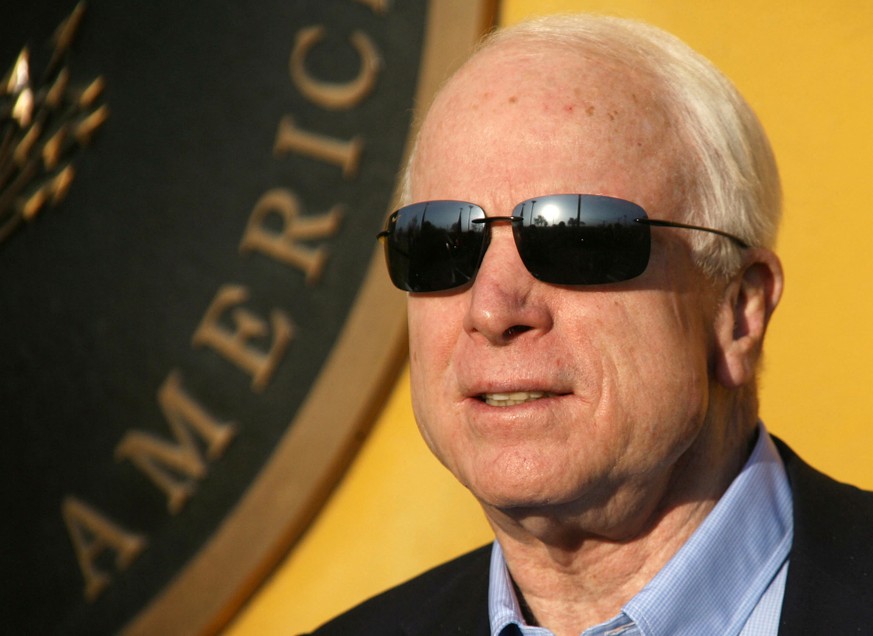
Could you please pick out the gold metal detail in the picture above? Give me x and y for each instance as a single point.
(42, 126)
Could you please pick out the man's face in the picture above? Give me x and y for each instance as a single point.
(623, 369)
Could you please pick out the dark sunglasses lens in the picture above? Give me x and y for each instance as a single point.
(573, 239)
(434, 246)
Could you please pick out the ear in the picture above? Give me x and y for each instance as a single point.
(746, 306)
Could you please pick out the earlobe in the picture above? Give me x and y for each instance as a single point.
(747, 305)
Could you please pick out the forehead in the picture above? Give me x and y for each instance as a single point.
(516, 123)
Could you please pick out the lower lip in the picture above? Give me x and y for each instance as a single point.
(519, 421)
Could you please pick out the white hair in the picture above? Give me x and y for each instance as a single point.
(734, 181)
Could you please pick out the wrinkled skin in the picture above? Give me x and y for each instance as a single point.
(636, 435)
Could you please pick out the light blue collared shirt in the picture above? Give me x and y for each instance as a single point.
(728, 578)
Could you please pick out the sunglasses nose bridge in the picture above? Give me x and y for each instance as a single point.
(499, 251)
(489, 222)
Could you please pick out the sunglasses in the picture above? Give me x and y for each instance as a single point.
(563, 239)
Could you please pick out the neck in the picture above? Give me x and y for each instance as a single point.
(569, 584)
(576, 569)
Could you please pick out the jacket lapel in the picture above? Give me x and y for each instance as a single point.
(459, 606)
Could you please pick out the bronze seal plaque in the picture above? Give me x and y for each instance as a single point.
(196, 331)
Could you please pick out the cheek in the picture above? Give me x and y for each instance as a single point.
(432, 335)
(432, 339)
(655, 365)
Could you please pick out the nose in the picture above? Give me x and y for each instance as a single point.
(505, 301)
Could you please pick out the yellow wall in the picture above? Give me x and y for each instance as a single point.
(805, 65)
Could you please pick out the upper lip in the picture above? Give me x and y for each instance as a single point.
(476, 383)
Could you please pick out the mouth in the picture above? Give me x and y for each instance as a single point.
(514, 398)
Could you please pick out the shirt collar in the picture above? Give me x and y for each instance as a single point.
(713, 583)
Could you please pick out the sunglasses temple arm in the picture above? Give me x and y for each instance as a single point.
(686, 226)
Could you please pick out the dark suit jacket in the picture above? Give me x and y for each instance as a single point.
(829, 590)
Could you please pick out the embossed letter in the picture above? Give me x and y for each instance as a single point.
(283, 246)
(153, 455)
(345, 154)
(234, 344)
(330, 95)
(92, 534)
(379, 6)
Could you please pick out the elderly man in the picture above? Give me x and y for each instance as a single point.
(591, 209)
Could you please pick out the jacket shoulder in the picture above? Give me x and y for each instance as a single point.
(830, 570)
(828, 514)
(452, 598)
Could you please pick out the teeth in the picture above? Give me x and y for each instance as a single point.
(511, 399)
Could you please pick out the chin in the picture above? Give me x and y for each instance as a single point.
(525, 499)
(523, 477)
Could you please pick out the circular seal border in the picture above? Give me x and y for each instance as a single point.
(310, 458)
